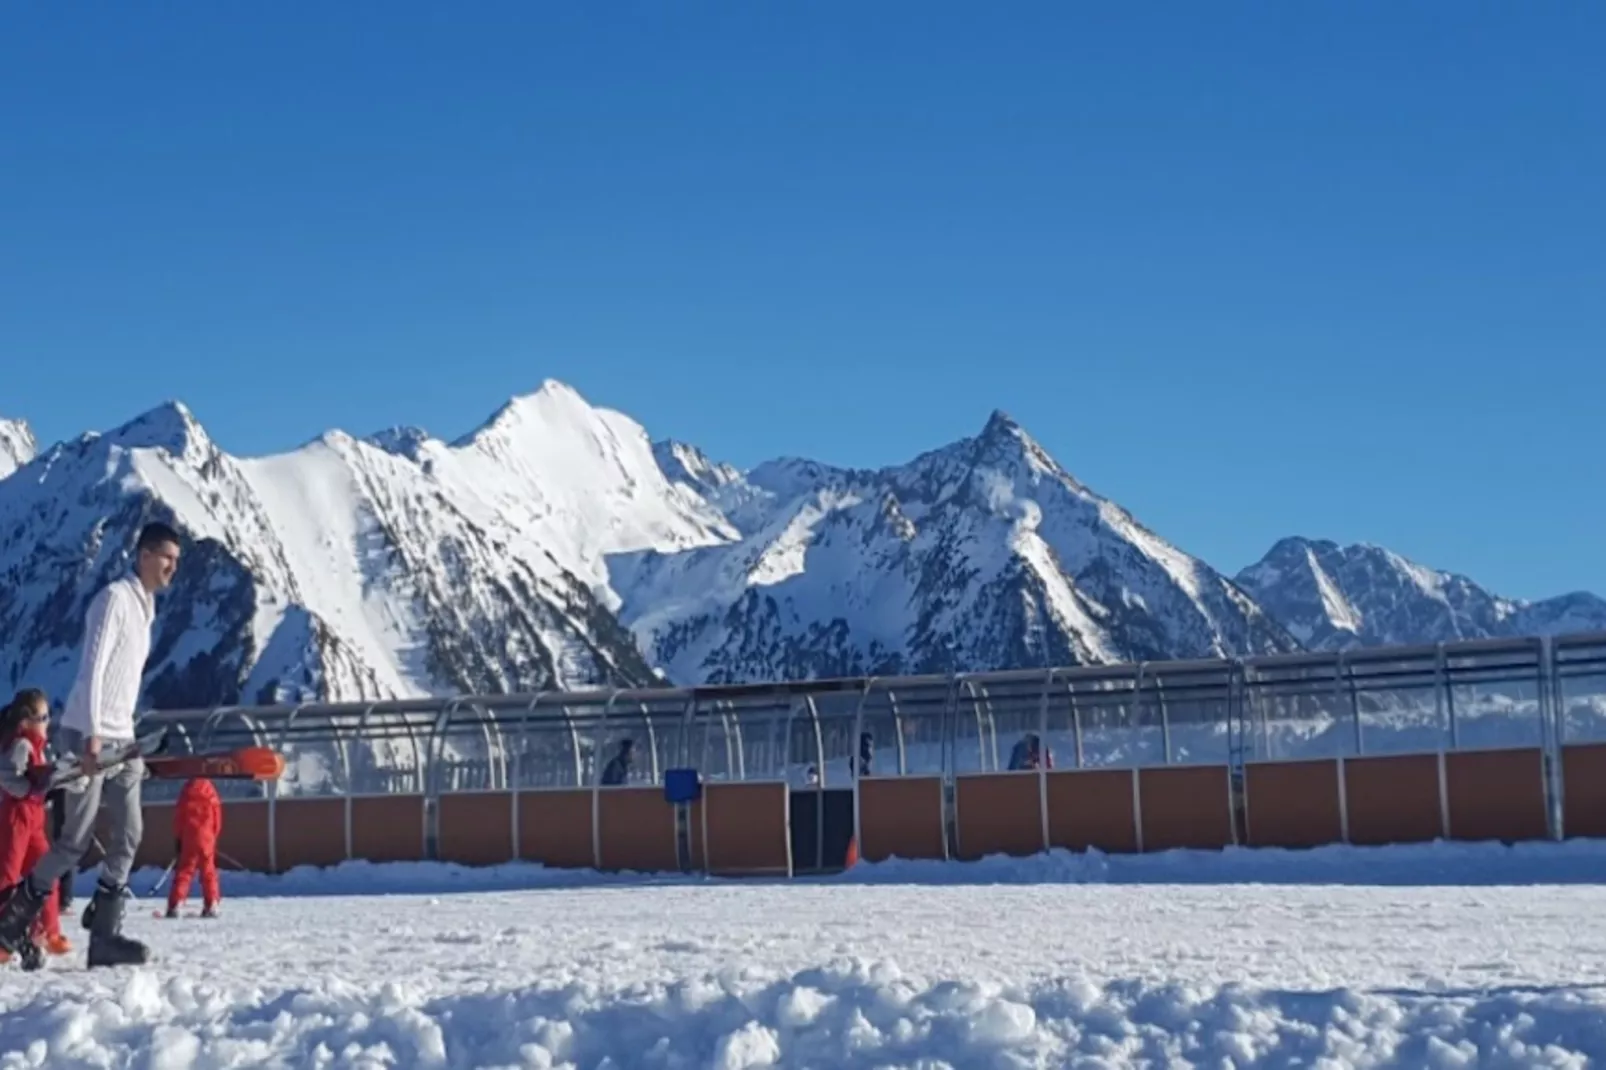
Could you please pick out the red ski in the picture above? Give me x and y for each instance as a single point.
(241, 763)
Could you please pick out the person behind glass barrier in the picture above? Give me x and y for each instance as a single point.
(617, 771)
(862, 765)
(1029, 753)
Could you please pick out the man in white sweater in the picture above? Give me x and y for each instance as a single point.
(100, 714)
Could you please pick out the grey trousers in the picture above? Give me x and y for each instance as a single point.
(118, 790)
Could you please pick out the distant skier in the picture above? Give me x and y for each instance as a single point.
(617, 771)
(1030, 753)
(866, 760)
(197, 823)
(24, 771)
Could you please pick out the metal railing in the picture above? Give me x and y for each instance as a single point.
(1468, 695)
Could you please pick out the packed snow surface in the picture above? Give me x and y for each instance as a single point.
(1447, 955)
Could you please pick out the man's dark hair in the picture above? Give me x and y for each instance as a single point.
(156, 534)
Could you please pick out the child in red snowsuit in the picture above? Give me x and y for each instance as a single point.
(197, 823)
(23, 776)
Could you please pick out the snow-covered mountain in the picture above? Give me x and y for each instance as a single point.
(346, 569)
(17, 446)
(558, 546)
(1333, 597)
(982, 554)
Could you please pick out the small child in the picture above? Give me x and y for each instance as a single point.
(197, 824)
(24, 774)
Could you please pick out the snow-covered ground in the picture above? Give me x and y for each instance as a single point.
(1446, 955)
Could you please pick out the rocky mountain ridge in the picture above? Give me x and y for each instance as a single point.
(558, 546)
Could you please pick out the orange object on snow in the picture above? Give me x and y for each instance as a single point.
(197, 823)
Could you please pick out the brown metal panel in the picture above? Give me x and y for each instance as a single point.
(1583, 778)
(1496, 794)
(555, 828)
(245, 835)
(900, 817)
(747, 829)
(1393, 798)
(999, 813)
(387, 828)
(1293, 804)
(1092, 808)
(475, 828)
(636, 827)
(699, 854)
(1185, 806)
(156, 844)
(309, 832)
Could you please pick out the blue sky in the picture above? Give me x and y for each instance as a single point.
(1251, 270)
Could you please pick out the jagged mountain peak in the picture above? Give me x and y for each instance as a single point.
(687, 464)
(170, 426)
(1336, 596)
(553, 407)
(792, 477)
(1001, 424)
(337, 570)
(18, 445)
(980, 553)
(403, 441)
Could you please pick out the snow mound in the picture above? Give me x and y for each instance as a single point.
(864, 1013)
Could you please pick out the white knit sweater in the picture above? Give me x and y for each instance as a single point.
(117, 640)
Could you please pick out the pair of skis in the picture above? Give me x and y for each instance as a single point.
(237, 763)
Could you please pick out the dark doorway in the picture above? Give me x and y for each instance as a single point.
(822, 826)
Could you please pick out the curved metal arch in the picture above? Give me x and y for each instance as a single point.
(342, 748)
(495, 748)
(854, 772)
(1137, 708)
(976, 704)
(574, 746)
(495, 751)
(786, 739)
(284, 740)
(600, 741)
(216, 716)
(437, 742)
(819, 741)
(596, 781)
(652, 741)
(412, 739)
(948, 727)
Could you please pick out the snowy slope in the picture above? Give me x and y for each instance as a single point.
(982, 554)
(570, 482)
(1435, 956)
(17, 446)
(337, 571)
(1332, 597)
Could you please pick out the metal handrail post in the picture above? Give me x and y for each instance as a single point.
(856, 760)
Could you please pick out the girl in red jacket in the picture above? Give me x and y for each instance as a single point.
(197, 823)
(23, 775)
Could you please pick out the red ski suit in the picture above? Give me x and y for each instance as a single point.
(23, 841)
(197, 823)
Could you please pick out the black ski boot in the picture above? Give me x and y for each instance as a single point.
(103, 917)
(21, 906)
